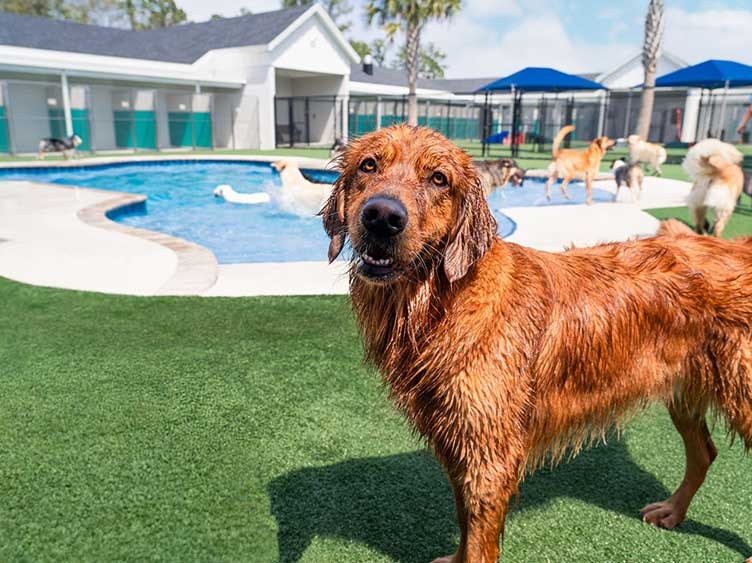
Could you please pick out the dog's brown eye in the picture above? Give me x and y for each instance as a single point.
(368, 165)
(438, 179)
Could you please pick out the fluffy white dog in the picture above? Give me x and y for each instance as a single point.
(718, 180)
(648, 153)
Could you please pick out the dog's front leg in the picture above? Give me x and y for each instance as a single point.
(482, 492)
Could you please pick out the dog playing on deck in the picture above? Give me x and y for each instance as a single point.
(648, 153)
(718, 181)
(503, 357)
(496, 174)
(298, 195)
(571, 164)
(629, 175)
(67, 146)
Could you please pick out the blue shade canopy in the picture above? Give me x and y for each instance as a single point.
(710, 74)
(541, 79)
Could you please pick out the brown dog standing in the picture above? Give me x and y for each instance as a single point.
(503, 356)
(571, 164)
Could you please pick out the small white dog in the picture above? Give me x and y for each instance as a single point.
(718, 181)
(299, 195)
(227, 193)
(649, 153)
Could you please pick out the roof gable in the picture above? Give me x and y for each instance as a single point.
(176, 44)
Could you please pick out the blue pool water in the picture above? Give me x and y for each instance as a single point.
(180, 203)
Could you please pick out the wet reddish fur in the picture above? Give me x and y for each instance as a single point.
(528, 353)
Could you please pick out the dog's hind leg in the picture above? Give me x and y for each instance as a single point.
(698, 216)
(721, 218)
(699, 452)
(567, 179)
(551, 179)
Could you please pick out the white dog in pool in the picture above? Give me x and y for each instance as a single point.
(298, 195)
(227, 193)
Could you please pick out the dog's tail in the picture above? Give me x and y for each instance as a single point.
(674, 228)
(559, 138)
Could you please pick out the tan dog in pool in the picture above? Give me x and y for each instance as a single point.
(299, 195)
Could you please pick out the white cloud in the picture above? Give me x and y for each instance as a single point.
(477, 50)
(711, 34)
(201, 10)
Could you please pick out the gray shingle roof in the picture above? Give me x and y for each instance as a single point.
(177, 44)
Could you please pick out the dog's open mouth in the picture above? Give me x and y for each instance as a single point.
(376, 263)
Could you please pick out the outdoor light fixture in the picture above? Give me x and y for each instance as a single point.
(181, 107)
(52, 102)
(125, 104)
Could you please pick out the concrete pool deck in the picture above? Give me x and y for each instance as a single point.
(58, 236)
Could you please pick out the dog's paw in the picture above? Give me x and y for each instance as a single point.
(666, 514)
(447, 559)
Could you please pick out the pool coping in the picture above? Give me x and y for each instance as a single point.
(197, 267)
(304, 161)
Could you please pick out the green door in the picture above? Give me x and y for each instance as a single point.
(3, 131)
(186, 127)
(139, 124)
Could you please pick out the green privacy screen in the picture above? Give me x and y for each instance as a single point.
(3, 131)
(80, 118)
(185, 126)
(136, 125)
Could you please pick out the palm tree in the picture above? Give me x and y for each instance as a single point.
(651, 50)
(410, 16)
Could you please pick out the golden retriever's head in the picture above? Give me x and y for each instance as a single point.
(409, 200)
(633, 140)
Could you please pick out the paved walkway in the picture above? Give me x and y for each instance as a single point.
(58, 236)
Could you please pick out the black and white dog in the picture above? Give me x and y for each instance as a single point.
(66, 146)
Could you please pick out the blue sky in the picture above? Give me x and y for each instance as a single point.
(496, 37)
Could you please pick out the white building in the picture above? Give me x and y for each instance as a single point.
(287, 77)
(206, 85)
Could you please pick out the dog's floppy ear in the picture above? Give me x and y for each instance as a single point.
(333, 213)
(473, 234)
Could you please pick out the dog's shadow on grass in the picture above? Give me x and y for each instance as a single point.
(402, 506)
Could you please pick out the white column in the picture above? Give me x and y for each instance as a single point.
(721, 119)
(66, 104)
(378, 113)
(691, 115)
(602, 111)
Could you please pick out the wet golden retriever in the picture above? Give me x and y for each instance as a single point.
(570, 164)
(502, 356)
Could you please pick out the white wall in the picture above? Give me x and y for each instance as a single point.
(29, 121)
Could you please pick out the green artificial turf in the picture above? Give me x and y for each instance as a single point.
(219, 429)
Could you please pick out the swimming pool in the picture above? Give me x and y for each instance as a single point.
(180, 203)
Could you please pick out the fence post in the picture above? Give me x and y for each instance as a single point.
(132, 102)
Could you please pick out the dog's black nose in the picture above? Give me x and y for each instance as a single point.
(384, 216)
